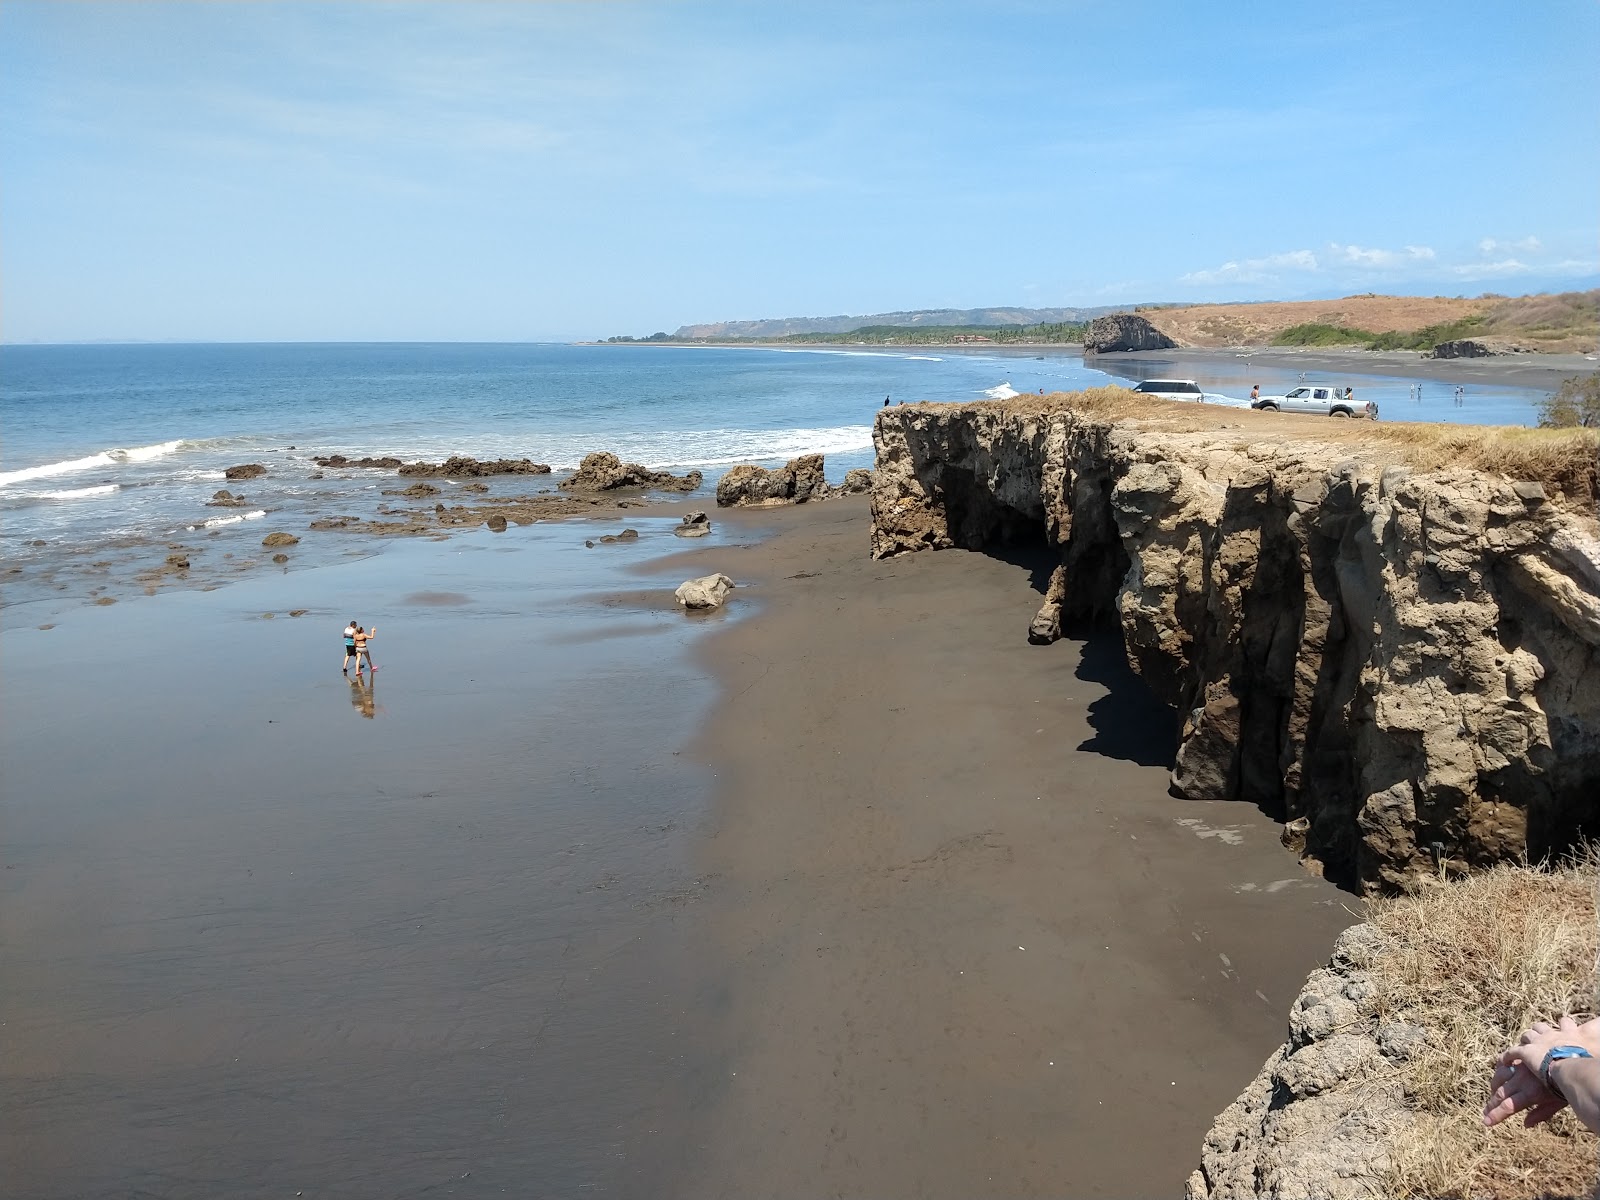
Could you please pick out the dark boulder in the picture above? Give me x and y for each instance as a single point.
(1461, 348)
(245, 471)
(280, 539)
(1124, 331)
(387, 463)
(459, 466)
(497, 523)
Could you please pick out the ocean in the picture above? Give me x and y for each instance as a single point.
(110, 450)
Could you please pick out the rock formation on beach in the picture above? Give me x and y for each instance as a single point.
(603, 471)
(795, 482)
(1461, 348)
(1124, 331)
(245, 471)
(1400, 664)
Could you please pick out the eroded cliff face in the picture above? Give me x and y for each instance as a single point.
(1400, 666)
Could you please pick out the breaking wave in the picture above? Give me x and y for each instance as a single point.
(90, 462)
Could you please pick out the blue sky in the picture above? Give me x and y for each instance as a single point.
(508, 171)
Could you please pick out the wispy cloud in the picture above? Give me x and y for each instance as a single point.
(1361, 256)
(1492, 246)
(1255, 270)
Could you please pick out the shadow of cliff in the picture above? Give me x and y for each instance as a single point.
(1129, 723)
(1033, 556)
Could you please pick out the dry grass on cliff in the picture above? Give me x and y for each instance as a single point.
(1564, 460)
(1475, 963)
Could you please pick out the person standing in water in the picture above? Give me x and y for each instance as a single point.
(350, 646)
(364, 648)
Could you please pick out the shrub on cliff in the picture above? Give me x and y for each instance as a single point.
(1576, 403)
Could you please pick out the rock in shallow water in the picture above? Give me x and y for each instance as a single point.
(709, 591)
(695, 524)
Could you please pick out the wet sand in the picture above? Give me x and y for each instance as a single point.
(1543, 372)
(877, 900)
(972, 946)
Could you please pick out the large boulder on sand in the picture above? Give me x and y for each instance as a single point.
(603, 471)
(1124, 331)
(709, 591)
(856, 482)
(795, 482)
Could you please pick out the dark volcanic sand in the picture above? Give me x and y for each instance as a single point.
(973, 947)
(497, 941)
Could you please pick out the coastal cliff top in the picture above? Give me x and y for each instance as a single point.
(1567, 460)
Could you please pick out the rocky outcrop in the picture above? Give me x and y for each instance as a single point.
(1319, 1118)
(709, 591)
(280, 539)
(605, 472)
(1124, 331)
(225, 499)
(795, 482)
(1461, 348)
(459, 466)
(857, 482)
(1401, 666)
(245, 471)
(340, 462)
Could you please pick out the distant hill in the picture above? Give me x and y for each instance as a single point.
(1554, 323)
(786, 326)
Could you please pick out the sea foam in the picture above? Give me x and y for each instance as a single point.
(105, 458)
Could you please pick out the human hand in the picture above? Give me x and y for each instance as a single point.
(1516, 1086)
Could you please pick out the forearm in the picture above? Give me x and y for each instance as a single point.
(1578, 1080)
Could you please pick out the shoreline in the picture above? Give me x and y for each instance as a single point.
(1530, 370)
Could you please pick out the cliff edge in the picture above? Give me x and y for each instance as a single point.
(1388, 637)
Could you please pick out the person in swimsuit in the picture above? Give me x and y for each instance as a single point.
(350, 646)
(363, 647)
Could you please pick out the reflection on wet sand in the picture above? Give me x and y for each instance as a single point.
(361, 696)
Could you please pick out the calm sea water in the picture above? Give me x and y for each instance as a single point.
(113, 448)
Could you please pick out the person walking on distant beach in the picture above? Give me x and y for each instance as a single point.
(350, 646)
(364, 648)
(1461, 395)
(1255, 392)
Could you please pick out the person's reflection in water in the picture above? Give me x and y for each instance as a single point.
(361, 697)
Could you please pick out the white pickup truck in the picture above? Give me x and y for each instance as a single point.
(1323, 399)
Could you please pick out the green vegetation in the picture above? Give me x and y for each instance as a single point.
(1317, 333)
(654, 337)
(1426, 338)
(1576, 404)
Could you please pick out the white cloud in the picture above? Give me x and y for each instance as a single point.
(1527, 245)
(1360, 256)
(1255, 270)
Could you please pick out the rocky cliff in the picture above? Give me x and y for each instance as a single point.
(1400, 664)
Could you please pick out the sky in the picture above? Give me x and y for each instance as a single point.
(531, 171)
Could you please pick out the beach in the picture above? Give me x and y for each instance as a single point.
(807, 896)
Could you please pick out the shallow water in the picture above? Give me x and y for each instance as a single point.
(264, 932)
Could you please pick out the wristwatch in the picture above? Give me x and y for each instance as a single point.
(1554, 1055)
